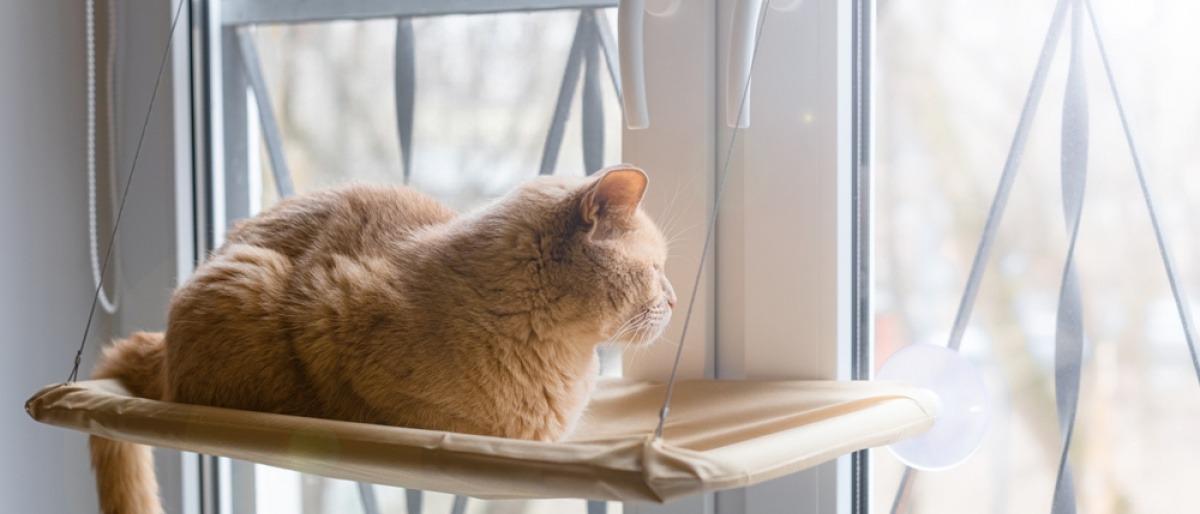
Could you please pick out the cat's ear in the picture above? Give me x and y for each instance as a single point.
(613, 198)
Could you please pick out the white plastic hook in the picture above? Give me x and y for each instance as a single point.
(631, 16)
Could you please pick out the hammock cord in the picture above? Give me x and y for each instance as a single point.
(124, 195)
(709, 232)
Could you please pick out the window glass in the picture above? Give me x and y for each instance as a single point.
(485, 92)
(951, 79)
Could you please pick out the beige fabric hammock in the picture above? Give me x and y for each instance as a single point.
(720, 435)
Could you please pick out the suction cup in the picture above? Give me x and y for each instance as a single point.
(962, 417)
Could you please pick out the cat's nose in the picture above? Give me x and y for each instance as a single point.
(669, 292)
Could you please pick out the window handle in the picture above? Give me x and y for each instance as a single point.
(631, 16)
(742, 38)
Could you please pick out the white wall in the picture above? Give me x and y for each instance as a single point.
(45, 277)
(45, 283)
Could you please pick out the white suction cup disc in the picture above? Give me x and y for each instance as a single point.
(962, 411)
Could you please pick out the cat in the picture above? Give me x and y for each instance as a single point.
(377, 304)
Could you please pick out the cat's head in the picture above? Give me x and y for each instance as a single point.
(600, 255)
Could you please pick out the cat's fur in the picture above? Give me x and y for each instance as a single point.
(377, 304)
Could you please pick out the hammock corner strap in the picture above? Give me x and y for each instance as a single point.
(721, 435)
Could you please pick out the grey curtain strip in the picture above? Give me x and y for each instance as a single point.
(1181, 303)
(1013, 161)
(405, 86)
(999, 203)
(414, 500)
(266, 114)
(369, 501)
(597, 507)
(562, 107)
(1069, 333)
(460, 504)
(906, 480)
(592, 101)
(609, 45)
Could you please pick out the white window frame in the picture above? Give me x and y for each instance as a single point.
(772, 289)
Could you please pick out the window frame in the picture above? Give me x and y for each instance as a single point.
(734, 346)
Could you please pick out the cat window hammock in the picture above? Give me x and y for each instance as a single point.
(718, 435)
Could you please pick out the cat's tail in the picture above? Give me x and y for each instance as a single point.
(125, 471)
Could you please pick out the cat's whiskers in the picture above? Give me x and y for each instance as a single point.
(678, 235)
(647, 328)
(644, 325)
(672, 215)
(625, 328)
(668, 225)
(635, 352)
(674, 233)
(679, 190)
(652, 330)
(640, 328)
(686, 259)
(672, 227)
(658, 338)
(643, 346)
(636, 339)
(671, 243)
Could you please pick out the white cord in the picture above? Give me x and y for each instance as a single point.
(109, 306)
(111, 86)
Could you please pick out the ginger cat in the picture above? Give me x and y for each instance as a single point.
(377, 304)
